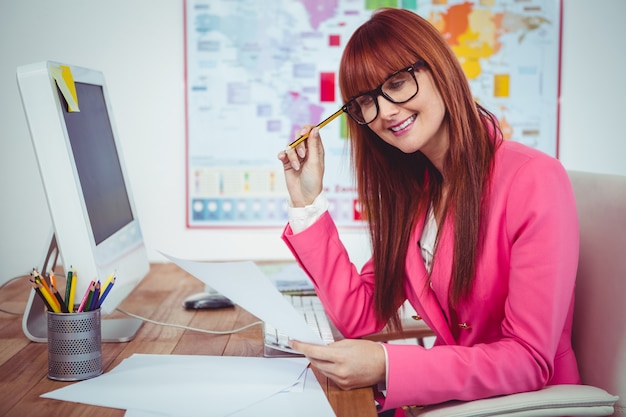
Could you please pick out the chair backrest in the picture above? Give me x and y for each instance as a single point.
(599, 332)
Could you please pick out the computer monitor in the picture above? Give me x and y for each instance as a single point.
(95, 223)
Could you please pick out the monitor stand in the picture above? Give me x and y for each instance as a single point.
(34, 321)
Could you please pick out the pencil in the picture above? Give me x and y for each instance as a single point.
(40, 278)
(105, 292)
(48, 297)
(94, 297)
(45, 290)
(83, 302)
(53, 279)
(38, 291)
(56, 295)
(321, 125)
(92, 288)
(68, 289)
(70, 301)
(107, 282)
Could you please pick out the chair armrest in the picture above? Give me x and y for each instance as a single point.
(552, 401)
(411, 328)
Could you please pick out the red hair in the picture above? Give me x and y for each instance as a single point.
(396, 189)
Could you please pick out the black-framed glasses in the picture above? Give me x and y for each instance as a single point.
(398, 88)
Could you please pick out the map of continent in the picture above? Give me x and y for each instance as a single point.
(474, 33)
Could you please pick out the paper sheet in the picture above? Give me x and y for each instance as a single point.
(311, 402)
(245, 284)
(197, 386)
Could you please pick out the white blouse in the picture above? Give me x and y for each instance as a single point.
(427, 241)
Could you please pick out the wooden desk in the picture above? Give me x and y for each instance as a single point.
(23, 364)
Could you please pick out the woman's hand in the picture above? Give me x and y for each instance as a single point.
(304, 168)
(350, 363)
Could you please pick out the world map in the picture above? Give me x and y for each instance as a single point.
(257, 71)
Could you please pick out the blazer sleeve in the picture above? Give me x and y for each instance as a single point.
(345, 292)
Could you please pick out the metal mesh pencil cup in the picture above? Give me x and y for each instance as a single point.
(74, 345)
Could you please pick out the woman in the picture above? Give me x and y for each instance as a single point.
(479, 234)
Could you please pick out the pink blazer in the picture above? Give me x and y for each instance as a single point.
(513, 333)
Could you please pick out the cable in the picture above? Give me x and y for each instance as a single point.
(13, 313)
(256, 323)
(180, 326)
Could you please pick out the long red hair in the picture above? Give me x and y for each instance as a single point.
(396, 189)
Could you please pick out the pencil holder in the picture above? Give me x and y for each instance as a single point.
(74, 345)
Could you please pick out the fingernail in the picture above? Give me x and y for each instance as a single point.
(301, 152)
(295, 165)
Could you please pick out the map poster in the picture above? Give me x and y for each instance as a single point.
(257, 71)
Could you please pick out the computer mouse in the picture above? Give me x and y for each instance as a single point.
(205, 300)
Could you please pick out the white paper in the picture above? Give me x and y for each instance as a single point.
(311, 402)
(198, 386)
(245, 284)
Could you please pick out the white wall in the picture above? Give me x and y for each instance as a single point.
(593, 86)
(138, 44)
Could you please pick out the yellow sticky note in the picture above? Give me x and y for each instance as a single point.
(64, 79)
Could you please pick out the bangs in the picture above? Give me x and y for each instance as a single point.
(374, 52)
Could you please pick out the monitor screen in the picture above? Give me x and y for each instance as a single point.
(97, 162)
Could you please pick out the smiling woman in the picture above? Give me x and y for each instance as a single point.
(459, 222)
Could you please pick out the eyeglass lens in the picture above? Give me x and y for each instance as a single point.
(398, 88)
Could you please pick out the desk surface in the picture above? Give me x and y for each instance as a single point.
(23, 364)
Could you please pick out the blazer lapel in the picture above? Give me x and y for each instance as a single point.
(418, 289)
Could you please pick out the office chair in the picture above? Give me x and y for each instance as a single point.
(599, 328)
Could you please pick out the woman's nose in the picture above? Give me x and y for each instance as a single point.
(386, 108)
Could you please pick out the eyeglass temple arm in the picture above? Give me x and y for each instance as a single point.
(321, 125)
